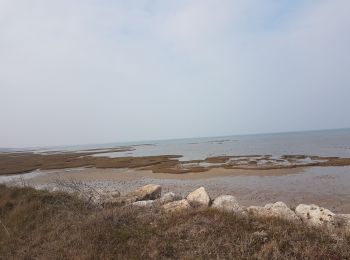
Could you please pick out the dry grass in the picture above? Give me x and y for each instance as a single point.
(42, 225)
(14, 163)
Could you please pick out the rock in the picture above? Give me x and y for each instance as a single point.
(282, 210)
(143, 203)
(55, 189)
(148, 192)
(227, 203)
(342, 221)
(315, 215)
(175, 206)
(278, 209)
(199, 198)
(168, 197)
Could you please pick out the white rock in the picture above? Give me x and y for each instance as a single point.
(315, 215)
(199, 198)
(168, 197)
(175, 206)
(343, 221)
(143, 203)
(278, 209)
(227, 203)
(148, 192)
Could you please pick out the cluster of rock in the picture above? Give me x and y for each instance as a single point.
(150, 196)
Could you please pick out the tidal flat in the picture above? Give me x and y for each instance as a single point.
(307, 167)
(324, 186)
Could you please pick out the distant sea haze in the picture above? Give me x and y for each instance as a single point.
(322, 143)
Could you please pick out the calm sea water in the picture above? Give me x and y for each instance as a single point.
(322, 143)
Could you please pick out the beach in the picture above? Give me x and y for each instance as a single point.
(251, 187)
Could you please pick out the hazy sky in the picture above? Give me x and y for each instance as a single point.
(83, 71)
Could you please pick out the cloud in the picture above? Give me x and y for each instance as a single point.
(101, 71)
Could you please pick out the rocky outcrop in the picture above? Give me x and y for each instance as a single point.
(149, 196)
(315, 215)
(278, 209)
(199, 198)
(227, 203)
(176, 206)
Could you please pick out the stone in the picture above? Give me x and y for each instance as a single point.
(315, 215)
(278, 209)
(282, 210)
(176, 206)
(342, 221)
(143, 203)
(148, 192)
(168, 197)
(227, 203)
(199, 198)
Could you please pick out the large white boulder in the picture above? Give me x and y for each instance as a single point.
(278, 209)
(227, 203)
(199, 198)
(315, 215)
(176, 206)
(148, 192)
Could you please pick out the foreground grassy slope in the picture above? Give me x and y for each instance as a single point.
(41, 225)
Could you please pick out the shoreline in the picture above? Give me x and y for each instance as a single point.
(253, 179)
(310, 185)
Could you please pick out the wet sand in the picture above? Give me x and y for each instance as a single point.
(325, 186)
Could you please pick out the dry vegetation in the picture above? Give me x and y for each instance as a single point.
(14, 163)
(42, 225)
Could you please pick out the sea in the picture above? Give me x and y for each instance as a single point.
(334, 143)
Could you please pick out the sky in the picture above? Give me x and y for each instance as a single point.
(85, 71)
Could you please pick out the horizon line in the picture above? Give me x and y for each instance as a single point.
(169, 139)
